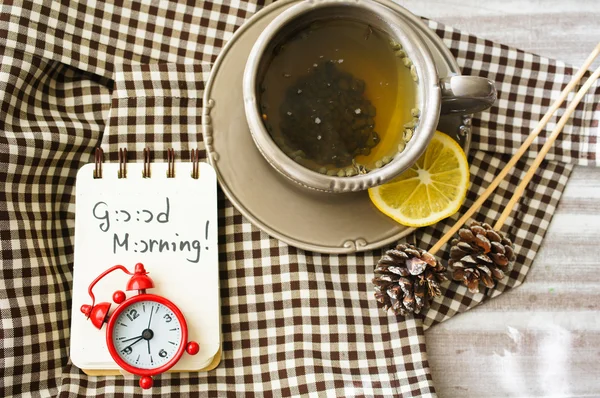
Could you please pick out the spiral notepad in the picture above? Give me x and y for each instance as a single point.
(163, 215)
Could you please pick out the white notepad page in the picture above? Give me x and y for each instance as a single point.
(169, 225)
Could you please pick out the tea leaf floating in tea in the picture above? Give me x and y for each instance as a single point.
(326, 115)
(369, 32)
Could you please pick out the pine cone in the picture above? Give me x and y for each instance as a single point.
(407, 279)
(480, 254)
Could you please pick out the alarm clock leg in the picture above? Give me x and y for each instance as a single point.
(192, 348)
(146, 382)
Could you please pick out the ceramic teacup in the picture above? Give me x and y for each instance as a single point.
(435, 95)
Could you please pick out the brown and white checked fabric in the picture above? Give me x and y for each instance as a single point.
(76, 74)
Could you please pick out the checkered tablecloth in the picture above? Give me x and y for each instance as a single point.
(79, 74)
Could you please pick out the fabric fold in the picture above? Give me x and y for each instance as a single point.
(156, 106)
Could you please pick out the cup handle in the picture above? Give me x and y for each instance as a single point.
(466, 94)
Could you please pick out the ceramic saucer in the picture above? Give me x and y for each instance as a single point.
(315, 221)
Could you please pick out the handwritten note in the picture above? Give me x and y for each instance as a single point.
(105, 214)
(169, 225)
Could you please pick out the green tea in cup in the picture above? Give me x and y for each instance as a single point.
(339, 97)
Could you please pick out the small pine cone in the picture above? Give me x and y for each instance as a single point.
(480, 254)
(407, 279)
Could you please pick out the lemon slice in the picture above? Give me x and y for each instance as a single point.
(432, 189)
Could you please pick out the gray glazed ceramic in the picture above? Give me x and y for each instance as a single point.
(461, 94)
(309, 220)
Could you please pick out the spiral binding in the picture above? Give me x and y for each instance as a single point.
(170, 163)
(98, 159)
(122, 159)
(122, 163)
(195, 156)
(146, 169)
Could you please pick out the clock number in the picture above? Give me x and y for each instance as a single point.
(168, 318)
(133, 314)
(127, 350)
(162, 353)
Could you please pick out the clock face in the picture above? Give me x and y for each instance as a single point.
(147, 334)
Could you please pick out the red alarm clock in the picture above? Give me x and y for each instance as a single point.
(147, 334)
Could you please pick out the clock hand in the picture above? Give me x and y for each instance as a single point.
(130, 345)
(132, 338)
(148, 346)
(150, 320)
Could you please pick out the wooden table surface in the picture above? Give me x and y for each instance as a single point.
(543, 338)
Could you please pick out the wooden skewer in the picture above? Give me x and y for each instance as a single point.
(524, 147)
(547, 145)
